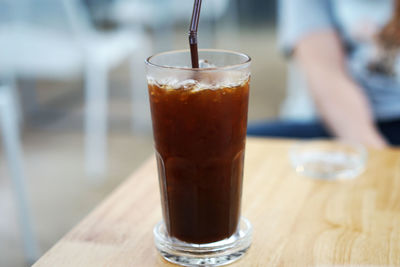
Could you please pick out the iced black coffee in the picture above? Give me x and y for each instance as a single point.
(199, 124)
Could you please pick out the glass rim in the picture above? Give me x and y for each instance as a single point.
(246, 63)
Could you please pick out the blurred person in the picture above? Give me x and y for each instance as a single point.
(344, 71)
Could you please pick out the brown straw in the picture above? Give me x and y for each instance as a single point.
(194, 24)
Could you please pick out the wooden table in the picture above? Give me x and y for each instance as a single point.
(297, 221)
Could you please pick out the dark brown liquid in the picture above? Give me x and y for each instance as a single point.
(200, 141)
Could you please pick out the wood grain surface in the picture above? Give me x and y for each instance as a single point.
(297, 221)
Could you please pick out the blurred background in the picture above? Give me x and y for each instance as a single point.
(74, 116)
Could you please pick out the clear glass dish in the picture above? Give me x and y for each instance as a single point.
(328, 160)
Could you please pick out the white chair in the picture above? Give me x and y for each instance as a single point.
(10, 134)
(54, 39)
(157, 12)
(161, 15)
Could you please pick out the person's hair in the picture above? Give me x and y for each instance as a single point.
(389, 36)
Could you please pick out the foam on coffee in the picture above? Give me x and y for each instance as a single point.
(207, 80)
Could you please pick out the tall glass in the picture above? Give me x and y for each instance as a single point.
(199, 123)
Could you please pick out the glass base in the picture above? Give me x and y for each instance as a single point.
(212, 254)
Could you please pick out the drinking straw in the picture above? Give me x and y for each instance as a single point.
(194, 24)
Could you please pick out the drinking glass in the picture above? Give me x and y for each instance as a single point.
(199, 119)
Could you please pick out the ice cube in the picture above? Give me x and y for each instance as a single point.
(203, 63)
(188, 84)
